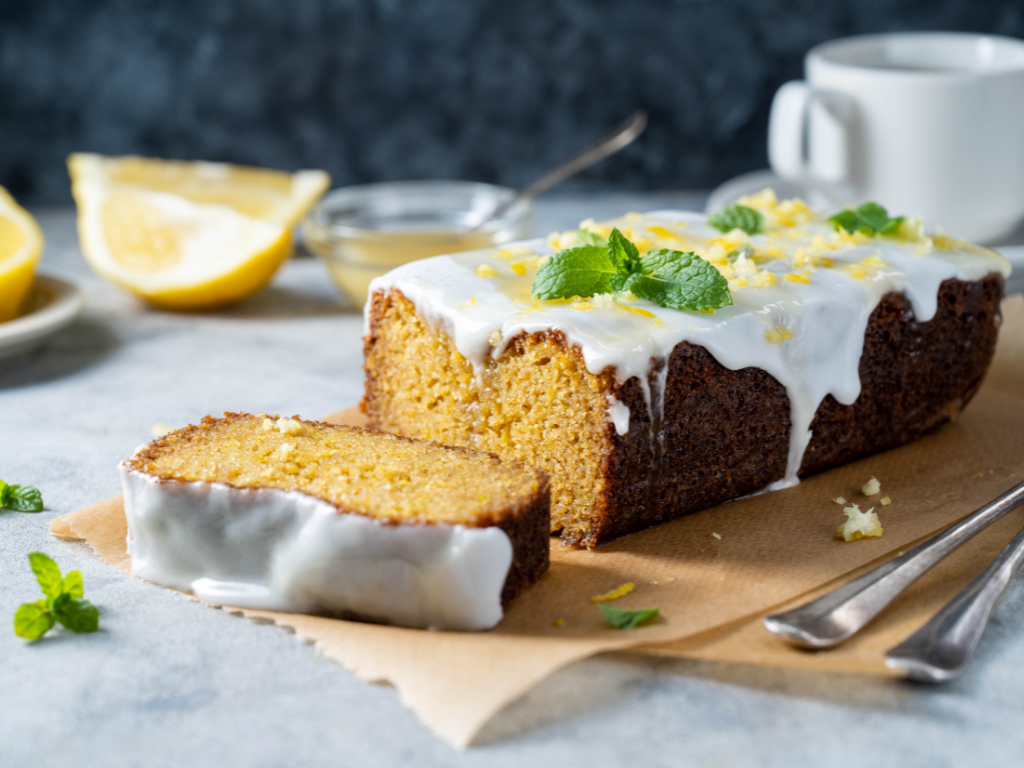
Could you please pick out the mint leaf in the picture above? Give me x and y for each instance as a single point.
(737, 217)
(5, 494)
(623, 618)
(73, 585)
(63, 603)
(33, 620)
(680, 281)
(76, 614)
(624, 254)
(744, 250)
(869, 219)
(23, 498)
(47, 574)
(581, 271)
(586, 237)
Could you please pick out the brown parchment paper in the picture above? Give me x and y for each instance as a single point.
(774, 548)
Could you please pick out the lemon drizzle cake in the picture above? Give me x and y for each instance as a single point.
(298, 516)
(836, 345)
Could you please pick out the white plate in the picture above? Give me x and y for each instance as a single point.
(51, 306)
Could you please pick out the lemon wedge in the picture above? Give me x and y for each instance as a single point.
(188, 235)
(21, 243)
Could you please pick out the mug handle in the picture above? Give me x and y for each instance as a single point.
(787, 136)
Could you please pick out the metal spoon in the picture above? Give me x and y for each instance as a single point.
(604, 147)
(834, 617)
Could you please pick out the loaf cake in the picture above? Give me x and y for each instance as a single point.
(836, 344)
(305, 517)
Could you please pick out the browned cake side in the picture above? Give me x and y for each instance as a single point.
(724, 433)
(393, 479)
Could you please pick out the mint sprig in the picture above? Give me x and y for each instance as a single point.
(63, 602)
(737, 217)
(586, 237)
(869, 219)
(671, 279)
(624, 618)
(20, 498)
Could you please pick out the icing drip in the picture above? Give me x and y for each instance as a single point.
(288, 551)
(618, 415)
(801, 306)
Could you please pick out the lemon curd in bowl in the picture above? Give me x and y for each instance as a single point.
(361, 232)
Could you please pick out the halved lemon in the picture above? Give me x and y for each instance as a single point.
(21, 243)
(188, 235)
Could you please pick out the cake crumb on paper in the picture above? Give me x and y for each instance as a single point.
(839, 500)
(717, 536)
(886, 501)
(871, 487)
(859, 525)
(614, 594)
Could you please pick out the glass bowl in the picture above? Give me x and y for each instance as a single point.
(361, 232)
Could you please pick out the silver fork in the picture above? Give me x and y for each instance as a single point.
(834, 617)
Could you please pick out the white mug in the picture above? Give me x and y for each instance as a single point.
(928, 123)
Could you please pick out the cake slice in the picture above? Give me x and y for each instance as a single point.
(307, 517)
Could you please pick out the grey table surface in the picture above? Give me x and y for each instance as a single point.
(168, 682)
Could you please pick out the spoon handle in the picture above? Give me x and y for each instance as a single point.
(621, 137)
(940, 649)
(834, 617)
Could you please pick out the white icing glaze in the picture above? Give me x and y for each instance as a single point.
(618, 415)
(826, 316)
(288, 551)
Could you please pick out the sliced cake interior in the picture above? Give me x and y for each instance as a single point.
(538, 404)
(309, 516)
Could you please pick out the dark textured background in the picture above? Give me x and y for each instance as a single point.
(492, 90)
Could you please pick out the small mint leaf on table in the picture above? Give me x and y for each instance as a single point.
(582, 271)
(73, 585)
(33, 620)
(5, 494)
(624, 618)
(869, 219)
(24, 498)
(680, 281)
(64, 602)
(47, 574)
(76, 614)
(586, 237)
(737, 217)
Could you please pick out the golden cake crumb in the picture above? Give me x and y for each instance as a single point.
(839, 500)
(871, 487)
(859, 525)
(616, 593)
(289, 427)
(886, 501)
